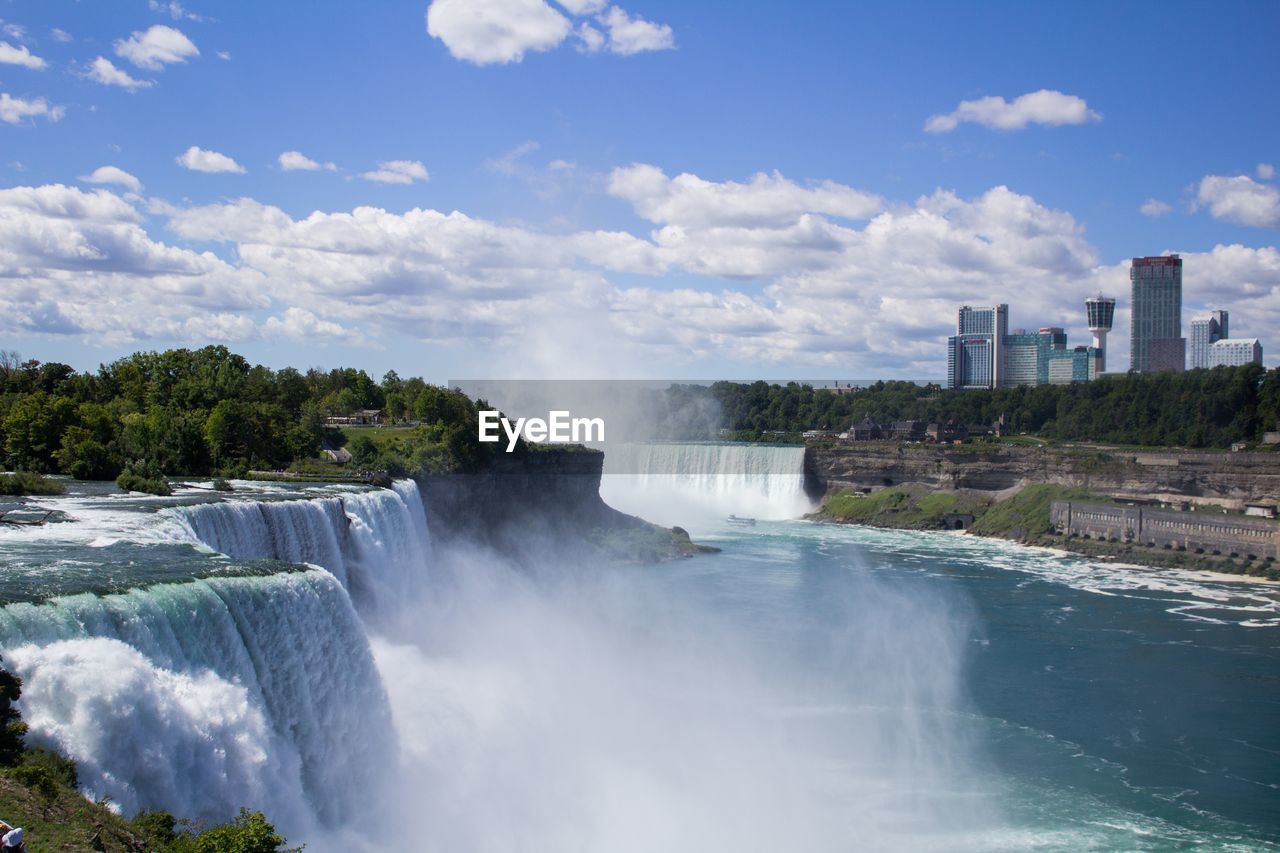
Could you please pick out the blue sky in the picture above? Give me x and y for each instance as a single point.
(530, 188)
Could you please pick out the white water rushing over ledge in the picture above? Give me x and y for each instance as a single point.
(198, 697)
(689, 484)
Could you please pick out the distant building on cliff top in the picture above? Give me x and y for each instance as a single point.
(975, 353)
(1213, 346)
(1155, 316)
(984, 353)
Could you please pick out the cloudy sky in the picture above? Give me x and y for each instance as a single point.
(572, 188)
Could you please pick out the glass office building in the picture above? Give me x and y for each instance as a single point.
(975, 353)
(1155, 318)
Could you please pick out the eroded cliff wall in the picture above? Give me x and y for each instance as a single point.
(1231, 478)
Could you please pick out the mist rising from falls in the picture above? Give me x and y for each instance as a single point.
(681, 484)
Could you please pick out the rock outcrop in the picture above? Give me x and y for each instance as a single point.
(545, 502)
(1230, 479)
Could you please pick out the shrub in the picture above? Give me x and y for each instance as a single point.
(37, 778)
(143, 476)
(250, 832)
(160, 829)
(60, 769)
(12, 729)
(29, 483)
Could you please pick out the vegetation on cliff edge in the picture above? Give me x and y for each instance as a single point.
(1194, 408)
(210, 412)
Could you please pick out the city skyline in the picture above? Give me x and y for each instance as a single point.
(586, 189)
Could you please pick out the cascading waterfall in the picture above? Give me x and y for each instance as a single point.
(204, 696)
(376, 543)
(680, 483)
(199, 697)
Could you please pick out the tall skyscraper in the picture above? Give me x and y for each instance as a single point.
(1155, 320)
(1203, 335)
(1102, 311)
(975, 353)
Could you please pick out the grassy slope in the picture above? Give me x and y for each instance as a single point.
(908, 507)
(1026, 514)
(66, 822)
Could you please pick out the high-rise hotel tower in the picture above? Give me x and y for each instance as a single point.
(1155, 320)
(975, 353)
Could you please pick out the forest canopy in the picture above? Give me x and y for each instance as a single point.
(1196, 408)
(209, 411)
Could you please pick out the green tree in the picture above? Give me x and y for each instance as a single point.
(12, 729)
(33, 431)
(250, 832)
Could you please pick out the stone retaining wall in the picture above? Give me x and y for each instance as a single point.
(1198, 532)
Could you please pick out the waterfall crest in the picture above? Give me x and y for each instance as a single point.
(677, 483)
(375, 543)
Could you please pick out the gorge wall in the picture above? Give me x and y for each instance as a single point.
(1226, 478)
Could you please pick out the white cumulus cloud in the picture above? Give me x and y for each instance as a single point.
(174, 10)
(61, 35)
(583, 7)
(590, 39)
(1266, 171)
(500, 31)
(397, 172)
(104, 71)
(80, 263)
(301, 324)
(687, 200)
(495, 31)
(1047, 107)
(1154, 208)
(760, 271)
(1240, 199)
(628, 35)
(199, 160)
(292, 161)
(156, 47)
(17, 110)
(113, 175)
(20, 55)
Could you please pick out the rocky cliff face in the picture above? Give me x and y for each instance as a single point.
(545, 503)
(1229, 478)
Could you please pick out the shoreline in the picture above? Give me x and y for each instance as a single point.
(1062, 550)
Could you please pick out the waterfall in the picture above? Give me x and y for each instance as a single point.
(375, 543)
(680, 483)
(201, 696)
(204, 696)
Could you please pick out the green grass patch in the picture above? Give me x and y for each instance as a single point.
(381, 436)
(1026, 514)
(907, 507)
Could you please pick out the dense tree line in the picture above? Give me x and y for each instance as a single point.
(1196, 408)
(209, 411)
